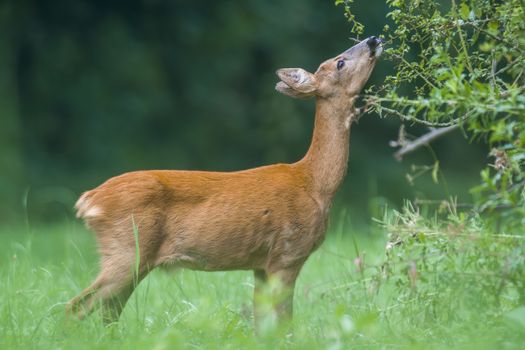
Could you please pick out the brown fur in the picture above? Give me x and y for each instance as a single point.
(268, 219)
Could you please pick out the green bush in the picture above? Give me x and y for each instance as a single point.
(458, 65)
(461, 65)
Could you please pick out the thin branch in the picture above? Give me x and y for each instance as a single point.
(419, 121)
(413, 66)
(508, 66)
(423, 141)
(461, 38)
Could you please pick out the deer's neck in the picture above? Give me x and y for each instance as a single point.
(326, 161)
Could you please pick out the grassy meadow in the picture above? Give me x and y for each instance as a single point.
(339, 302)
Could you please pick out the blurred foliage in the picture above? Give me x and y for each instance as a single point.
(467, 71)
(455, 257)
(91, 89)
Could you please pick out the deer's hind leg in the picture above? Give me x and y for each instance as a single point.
(115, 282)
(110, 290)
(119, 271)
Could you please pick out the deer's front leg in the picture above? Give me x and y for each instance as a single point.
(273, 299)
(283, 285)
(259, 286)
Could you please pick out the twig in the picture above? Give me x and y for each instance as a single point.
(418, 121)
(413, 66)
(423, 141)
(461, 38)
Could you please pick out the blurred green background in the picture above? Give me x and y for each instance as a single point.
(91, 89)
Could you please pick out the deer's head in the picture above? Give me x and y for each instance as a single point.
(341, 76)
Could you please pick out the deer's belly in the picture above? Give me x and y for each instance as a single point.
(214, 247)
(232, 234)
(219, 242)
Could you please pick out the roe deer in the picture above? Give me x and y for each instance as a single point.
(268, 219)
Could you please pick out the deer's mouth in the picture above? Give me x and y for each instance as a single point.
(375, 45)
(377, 51)
(372, 47)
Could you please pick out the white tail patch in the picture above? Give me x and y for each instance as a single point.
(92, 212)
(85, 209)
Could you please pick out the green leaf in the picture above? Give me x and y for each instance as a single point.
(464, 11)
(486, 46)
(493, 27)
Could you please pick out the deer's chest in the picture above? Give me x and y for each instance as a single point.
(297, 241)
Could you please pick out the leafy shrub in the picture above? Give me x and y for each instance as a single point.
(455, 257)
(462, 65)
(458, 65)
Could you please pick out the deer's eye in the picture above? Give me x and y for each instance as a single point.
(340, 64)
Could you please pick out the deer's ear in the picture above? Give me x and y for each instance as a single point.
(296, 82)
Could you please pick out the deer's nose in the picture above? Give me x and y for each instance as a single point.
(373, 42)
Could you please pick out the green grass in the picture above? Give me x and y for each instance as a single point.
(336, 306)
